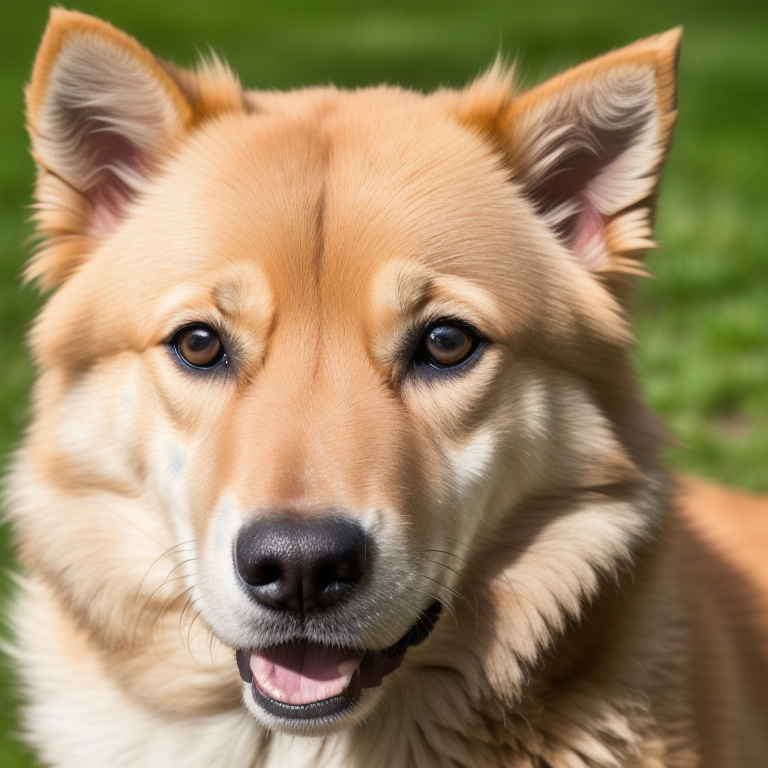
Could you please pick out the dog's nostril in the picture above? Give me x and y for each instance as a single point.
(299, 564)
(349, 569)
(260, 574)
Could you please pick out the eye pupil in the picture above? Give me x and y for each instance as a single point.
(199, 346)
(448, 345)
(198, 341)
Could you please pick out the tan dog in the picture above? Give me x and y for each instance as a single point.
(335, 418)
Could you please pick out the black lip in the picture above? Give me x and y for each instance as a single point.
(373, 667)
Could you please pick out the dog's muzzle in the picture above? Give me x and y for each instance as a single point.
(302, 566)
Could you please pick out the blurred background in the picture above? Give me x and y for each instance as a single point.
(702, 320)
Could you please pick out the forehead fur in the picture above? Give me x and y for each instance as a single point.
(318, 190)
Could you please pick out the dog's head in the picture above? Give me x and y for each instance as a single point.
(326, 373)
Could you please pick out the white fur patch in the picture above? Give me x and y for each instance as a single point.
(472, 462)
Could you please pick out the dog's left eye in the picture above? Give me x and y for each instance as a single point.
(447, 345)
(198, 345)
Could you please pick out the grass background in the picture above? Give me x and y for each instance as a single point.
(701, 322)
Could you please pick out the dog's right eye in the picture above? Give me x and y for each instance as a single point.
(447, 345)
(198, 345)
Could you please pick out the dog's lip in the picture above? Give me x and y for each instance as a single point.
(310, 681)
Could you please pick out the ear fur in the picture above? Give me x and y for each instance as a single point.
(588, 148)
(102, 114)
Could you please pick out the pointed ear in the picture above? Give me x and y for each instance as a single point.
(589, 146)
(102, 114)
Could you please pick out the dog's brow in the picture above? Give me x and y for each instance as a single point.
(401, 288)
(243, 291)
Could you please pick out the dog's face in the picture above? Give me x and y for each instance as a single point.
(319, 362)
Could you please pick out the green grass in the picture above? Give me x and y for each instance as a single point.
(702, 325)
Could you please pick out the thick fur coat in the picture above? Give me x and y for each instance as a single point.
(329, 372)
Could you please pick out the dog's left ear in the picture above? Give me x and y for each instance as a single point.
(103, 114)
(589, 147)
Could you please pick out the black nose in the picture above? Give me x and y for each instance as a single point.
(300, 563)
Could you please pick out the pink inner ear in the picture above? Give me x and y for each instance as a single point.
(576, 193)
(110, 164)
(588, 230)
(117, 167)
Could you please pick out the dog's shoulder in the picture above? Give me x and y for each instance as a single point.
(723, 540)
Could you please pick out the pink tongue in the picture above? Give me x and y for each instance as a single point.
(303, 674)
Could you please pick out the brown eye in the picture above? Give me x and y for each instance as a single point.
(198, 346)
(447, 345)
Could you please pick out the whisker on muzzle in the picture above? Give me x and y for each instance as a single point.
(498, 572)
(167, 604)
(174, 550)
(447, 605)
(475, 609)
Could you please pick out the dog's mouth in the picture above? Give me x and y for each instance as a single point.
(310, 681)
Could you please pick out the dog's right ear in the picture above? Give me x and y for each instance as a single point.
(102, 114)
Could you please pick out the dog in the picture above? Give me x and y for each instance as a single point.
(337, 457)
